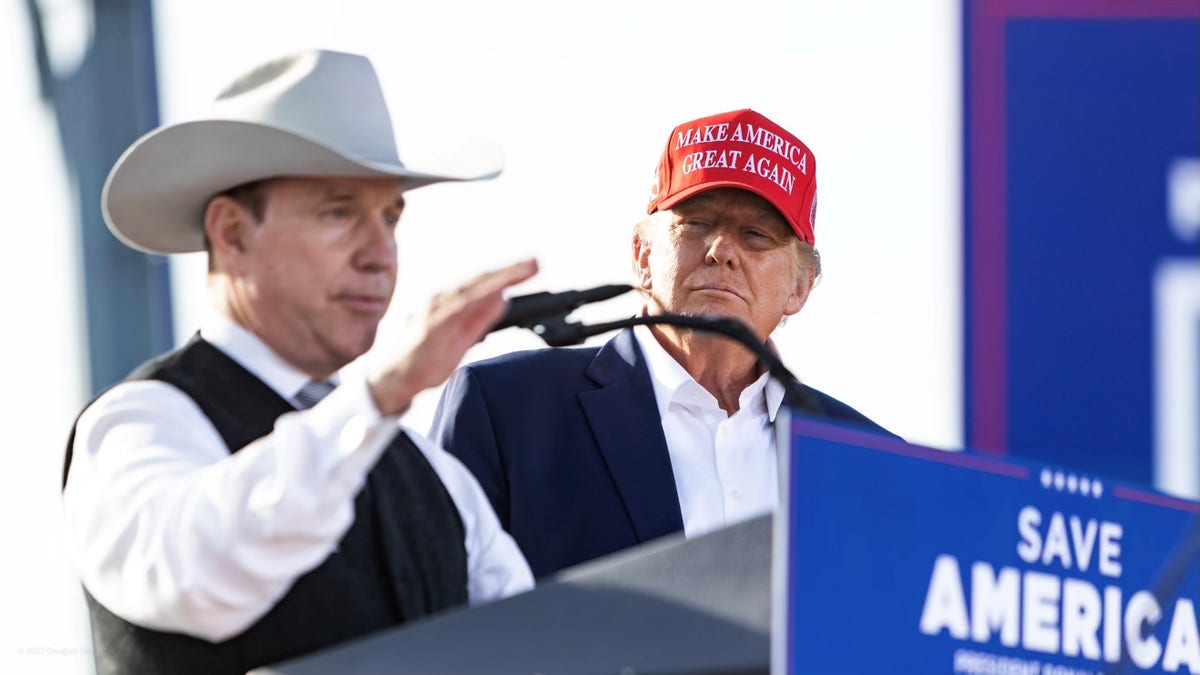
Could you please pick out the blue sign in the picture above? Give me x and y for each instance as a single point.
(905, 559)
(1082, 223)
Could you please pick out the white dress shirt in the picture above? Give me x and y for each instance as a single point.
(725, 466)
(172, 532)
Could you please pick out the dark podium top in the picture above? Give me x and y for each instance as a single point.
(674, 605)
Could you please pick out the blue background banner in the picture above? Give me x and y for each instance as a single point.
(905, 559)
(1077, 115)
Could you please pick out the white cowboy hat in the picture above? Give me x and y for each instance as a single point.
(315, 113)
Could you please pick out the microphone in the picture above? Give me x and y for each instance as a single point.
(527, 311)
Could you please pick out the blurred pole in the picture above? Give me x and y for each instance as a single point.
(101, 107)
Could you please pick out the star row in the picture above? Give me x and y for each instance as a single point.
(1081, 485)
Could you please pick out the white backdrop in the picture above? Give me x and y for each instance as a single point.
(581, 99)
(582, 103)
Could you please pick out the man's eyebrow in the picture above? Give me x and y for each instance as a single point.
(335, 194)
(342, 194)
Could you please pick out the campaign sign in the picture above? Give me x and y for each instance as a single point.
(906, 559)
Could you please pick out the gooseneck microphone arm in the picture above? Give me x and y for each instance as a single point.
(797, 396)
(527, 311)
(545, 314)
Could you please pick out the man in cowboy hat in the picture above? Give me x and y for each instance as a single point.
(662, 429)
(221, 517)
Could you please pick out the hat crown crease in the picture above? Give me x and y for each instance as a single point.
(287, 94)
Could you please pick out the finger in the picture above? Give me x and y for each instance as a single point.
(499, 279)
(478, 304)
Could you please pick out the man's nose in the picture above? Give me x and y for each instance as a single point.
(722, 249)
(377, 245)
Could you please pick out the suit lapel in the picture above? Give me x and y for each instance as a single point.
(624, 420)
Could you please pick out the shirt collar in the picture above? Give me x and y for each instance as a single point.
(773, 392)
(666, 374)
(251, 353)
(668, 377)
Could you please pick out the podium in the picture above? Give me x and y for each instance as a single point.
(883, 557)
(669, 606)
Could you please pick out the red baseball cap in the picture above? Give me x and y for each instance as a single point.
(740, 149)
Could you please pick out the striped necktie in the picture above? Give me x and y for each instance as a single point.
(311, 393)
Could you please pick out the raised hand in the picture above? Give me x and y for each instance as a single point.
(434, 341)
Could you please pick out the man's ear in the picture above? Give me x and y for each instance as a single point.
(804, 286)
(225, 225)
(641, 259)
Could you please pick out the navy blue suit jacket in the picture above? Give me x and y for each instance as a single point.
(569, 447)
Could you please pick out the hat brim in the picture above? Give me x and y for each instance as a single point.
(693, 190)
(156, 194)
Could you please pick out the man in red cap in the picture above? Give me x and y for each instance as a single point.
(584, 452)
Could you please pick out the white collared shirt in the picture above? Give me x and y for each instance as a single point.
(172, 532)
(725, 466)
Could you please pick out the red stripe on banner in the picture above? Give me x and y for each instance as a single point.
(989, 222)
(1098, 9)
(1155, 499)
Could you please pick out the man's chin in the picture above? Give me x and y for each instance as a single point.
(713, 309)
(352, 347)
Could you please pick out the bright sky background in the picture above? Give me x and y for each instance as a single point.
(582, 103)
(581, 99)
